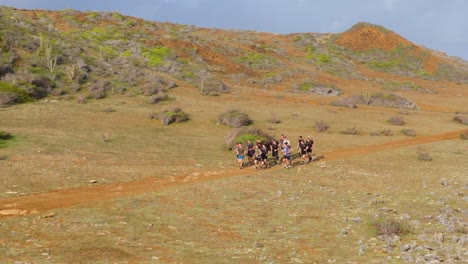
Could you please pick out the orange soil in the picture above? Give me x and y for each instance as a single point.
(36, 203)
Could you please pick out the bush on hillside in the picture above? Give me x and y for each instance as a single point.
(156, 99)
(174, 115)
(11, 94)
(213, 87)
(234, 118)
(349, 101)
(99, 89)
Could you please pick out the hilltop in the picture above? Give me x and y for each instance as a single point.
(90, 53)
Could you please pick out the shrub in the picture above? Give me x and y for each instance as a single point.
(98, 89)
(385, 132)
(174, 115)
(321, 126)
(350, 131)
(350, 102)
(409, 132)
(461, 119)
(11, 94)
(274, 119)
(158, 98)
(152, 88)
(423, 154)
(464, 134)
(388, 226)
(213, 87)
(234, 118)
(244, 134)
(396, 120)
(5, 135)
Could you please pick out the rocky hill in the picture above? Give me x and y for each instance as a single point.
(93, 55)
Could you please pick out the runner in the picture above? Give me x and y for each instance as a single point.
(240, 152)
(286, 155)
(258, 157)
(300, 142)
(250, 152)
(284, 140)
(310, 144)
(303, 151)
(265, 152)
(274, 148)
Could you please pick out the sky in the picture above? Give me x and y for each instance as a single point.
(436, 24)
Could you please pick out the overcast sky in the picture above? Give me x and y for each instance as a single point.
(437, 24)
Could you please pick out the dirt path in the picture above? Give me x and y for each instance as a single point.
(37, 203)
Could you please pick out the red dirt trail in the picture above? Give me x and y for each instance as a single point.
(42, 202)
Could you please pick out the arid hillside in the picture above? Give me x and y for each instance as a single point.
(93, 55)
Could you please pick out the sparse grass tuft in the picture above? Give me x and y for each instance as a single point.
(388, 226)
(274, 119)
(321, 126)
(350, 131)
(423, 154)
(464, 134)
(385, 132)
(409, 132)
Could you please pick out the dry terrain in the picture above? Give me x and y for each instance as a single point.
(101, 182)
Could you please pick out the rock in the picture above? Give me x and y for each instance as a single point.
(355, 219)
(93, 181)
(405, 256)
(405, 247)
(344, 231)
(430, 257)
(438, 238)
(405, 217)
(362, 249)
(444, 182)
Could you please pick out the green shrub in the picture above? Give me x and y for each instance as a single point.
(174, 115)
(156, 55)
(244, 134)
(17, 94)
(5, 135)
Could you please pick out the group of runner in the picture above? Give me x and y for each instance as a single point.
(259, 152)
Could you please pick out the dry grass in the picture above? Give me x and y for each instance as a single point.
(272, 216)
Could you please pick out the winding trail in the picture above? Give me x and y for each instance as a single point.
(42, 202)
